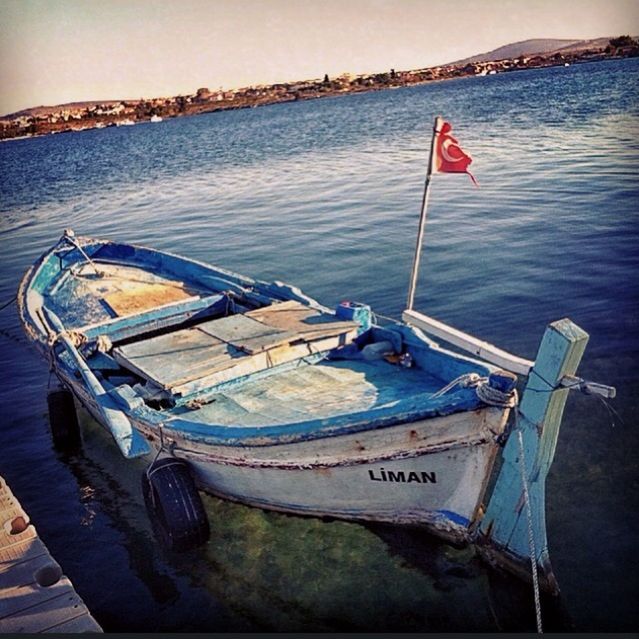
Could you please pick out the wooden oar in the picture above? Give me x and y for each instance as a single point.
(129, 441)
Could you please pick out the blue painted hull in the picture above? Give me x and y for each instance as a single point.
(313, 415)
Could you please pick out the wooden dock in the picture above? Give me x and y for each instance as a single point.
(34, 594)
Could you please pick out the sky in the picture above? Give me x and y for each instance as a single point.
(58, 51)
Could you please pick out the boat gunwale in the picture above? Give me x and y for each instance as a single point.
(245, 436)
(34, 270)
(156, 425)
(171, 439)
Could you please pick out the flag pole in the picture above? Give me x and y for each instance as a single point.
(422, 219)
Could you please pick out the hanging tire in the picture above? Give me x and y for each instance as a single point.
(63, 420)
(174, 505)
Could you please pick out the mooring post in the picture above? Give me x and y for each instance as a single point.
(503, 533)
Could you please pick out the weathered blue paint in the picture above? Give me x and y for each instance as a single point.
(119, 395)
(402, 411)
(102, 362)
(129, 441)
(454, 517)
(162, 317)
(214, 281)
(505, 522)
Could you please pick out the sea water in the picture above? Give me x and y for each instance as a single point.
(325, 194)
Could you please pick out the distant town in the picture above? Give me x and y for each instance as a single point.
(96, 115)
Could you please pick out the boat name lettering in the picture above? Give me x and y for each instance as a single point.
(406, 477)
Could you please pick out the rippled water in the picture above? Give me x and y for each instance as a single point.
(325, 194)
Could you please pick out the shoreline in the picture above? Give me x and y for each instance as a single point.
(113, 113)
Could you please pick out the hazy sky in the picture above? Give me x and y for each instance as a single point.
(56, 51)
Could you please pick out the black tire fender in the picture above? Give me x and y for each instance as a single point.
(63, 420)
(174, 505)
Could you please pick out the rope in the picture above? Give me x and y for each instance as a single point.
(531, 536)
(485, 392)
(495, 397)
(7, 304)
(468, 379)
(148, 470)
(75, 337)
(103, 344)
(375, 316)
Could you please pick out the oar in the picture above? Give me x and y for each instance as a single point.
(129, 440)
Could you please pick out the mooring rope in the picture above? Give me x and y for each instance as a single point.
(495, 397)
(77, 338)
(488, 394)
(531, 535)
(7, 304)
(468, 379)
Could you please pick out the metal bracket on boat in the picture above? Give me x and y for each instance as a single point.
(573, 382)
(69, 237)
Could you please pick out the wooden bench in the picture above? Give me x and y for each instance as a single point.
(189, 360)
(167, 315)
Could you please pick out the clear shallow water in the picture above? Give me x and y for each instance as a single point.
(325, 195)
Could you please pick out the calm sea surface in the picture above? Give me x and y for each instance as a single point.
(326, 194)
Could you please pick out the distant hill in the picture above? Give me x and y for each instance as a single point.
(44, 110)
(534, 47)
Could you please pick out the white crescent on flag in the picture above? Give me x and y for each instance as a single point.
(449, 156)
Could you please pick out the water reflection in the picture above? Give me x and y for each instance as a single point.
(278, 572)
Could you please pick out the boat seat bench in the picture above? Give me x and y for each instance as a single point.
(172, 314)
(193, 359)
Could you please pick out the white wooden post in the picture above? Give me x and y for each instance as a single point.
(503, 533)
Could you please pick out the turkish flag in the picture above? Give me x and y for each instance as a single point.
(449, 156)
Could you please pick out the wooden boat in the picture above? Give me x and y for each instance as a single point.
(271, 398)
(262, 395)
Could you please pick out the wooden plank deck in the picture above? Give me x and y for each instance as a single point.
(34, 594)
(178, 357)
(302, 320)
(247, 334)
(184, 360)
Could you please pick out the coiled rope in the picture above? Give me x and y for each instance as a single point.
(75, 337)
(485, 392)
(495, 397)
(102, 343)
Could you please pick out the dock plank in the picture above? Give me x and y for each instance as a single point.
(21, 598)
(45, 615)
(21, 551)
(34, 594)
(22, 573)
(83, 623)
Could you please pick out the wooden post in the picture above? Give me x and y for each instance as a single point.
(422, 218)
(503, 533)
